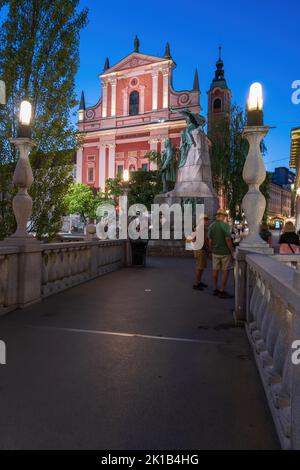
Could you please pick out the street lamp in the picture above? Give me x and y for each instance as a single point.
(254, 172)
(24, 128)
(23, 177)
(125, 176)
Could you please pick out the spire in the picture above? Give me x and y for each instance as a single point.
(220, 52)
(219, 79)
(136, 44)
(82, 102)
(106, 65)
(196, 81)
(167, 54)
(219, 74)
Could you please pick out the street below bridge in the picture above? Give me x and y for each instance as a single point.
(132, 360)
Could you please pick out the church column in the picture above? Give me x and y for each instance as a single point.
(166, 88)
(79, 160)
(125, 101)
(104, 99)
(153, 148)
(102, 166)
(113, 96)
(112, 159)
(142, 99)
(154, 89)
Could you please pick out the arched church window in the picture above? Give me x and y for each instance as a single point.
(217, 105)
(132, 168)
(134, 103)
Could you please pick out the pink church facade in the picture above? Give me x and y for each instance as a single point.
(137, 111)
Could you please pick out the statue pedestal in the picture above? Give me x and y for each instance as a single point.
(193, 182)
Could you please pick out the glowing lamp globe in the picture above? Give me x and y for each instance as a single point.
(126, 176)
(255, 105)
(24, 129)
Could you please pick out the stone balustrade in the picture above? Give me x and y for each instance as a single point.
(272, 325)
(8, 279)
(290, 260)
(27, 276)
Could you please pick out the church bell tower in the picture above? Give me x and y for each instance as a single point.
(219, 101)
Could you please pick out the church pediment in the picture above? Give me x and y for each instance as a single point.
(134, 60)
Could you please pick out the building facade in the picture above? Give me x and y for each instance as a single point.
(279, 205)
(295, 164)
(283, 177)
(137, 111)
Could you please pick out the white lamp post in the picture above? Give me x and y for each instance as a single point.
(23, 177)
(254, 172)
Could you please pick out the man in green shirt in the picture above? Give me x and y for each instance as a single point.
(222, 251)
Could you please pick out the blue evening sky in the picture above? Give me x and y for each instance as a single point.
(260, 41)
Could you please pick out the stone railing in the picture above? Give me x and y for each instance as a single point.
(8, 279)
(290, 260)
(273, 323)
(26, 276)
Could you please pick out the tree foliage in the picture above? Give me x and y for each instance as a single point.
(80, 199)
(39, 57)
(143, 187)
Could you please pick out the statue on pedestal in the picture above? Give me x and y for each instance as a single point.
(168, 167)
(194, 179)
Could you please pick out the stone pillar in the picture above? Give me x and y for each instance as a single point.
(240, 298)
(104, 99)
(254, 203)
(29, 264)
(112, 159)
(142, 99)
(166, 88)
(79, 161)
(23, 179)
(154, 89)
(125, 101)
(113, 96)
(102, 166)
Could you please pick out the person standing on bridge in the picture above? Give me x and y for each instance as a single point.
(201, 257)
(222, 252)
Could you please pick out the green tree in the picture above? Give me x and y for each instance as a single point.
(39, 57)
(143, 187)
(80, 199)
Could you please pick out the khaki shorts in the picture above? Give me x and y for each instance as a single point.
(201, 259)
(222, 263)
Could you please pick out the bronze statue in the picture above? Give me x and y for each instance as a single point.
(193, 121)
(168, 167)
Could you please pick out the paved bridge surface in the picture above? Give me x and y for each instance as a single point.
(133, 360)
